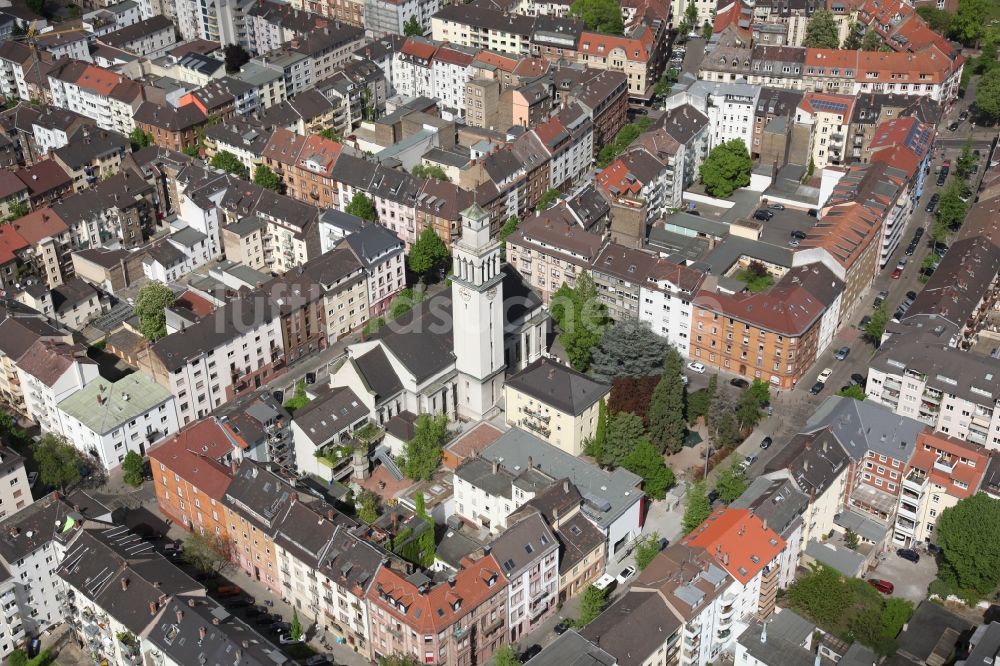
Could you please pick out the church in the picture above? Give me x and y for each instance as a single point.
(451, 353)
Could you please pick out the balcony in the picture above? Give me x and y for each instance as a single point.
(932, 395)
(944, 464)
(534, 427)
(908, 527)
(544, 418)
(893, 384)
(907, 511)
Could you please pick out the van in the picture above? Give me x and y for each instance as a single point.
(606, 583)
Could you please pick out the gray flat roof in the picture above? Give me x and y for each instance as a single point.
(844, 560)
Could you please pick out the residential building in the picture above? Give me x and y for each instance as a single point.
(107, 420)
(347, 569)
(665, 301)
(640, 55)
(528, 553)
(619, 272)
(381, 253)
(15, 493)
(555, 402)
(50, 372)
(85, 89)
(638, 628)
(174, 129)
(941, 472)
(20, 328)
(320, 430)
(305, 164)
(151, 37)
(829, 116)
(781, 506)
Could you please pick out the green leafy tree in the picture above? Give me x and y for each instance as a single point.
(236, 56)
(706, 31)
(192, 150)
(150, 305)
(938, 20)
(295, 631)
(645, 461)
(209, 553)
(412, 28)
(509, 227)
(968, 25)
(331, 134)
(399, 660)
(628, 348)
(821, 595)
(592, 603)
(134, 469)
(599, 15)
(361, 205)
(855, 35)
(17, 210)
(690, 19)
(875, 328)
(623, 139)
(969, 534)
(58, 461)
(229, 163)
(873, 42)
(812, 168)
(506, 656)
(299, 398)
(427, 253)
(581, 319)
(595, 447)
(367, 506)
(700, 402)
(732, 483)
(625, 429)
(726, 168)
(822, 31)
(951, 209)
(430, 171)
(722, 422)
(759, 392)
(423, 452)
(548, 198)
(264, 177)
(139, 139)
(856, 392)
(696, 506)
(966, 162)
(666, 408)
(646, 550)
(851, 539)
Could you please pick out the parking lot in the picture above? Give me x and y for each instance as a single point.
(911, 580)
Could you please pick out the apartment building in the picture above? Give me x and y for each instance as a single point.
(15, 59)
(639, 55)
(15, 493)
(555, 402)
(151, 37)
(386, 18)
(462, 620)
(942, 471)
(775, 335)
(50, 372)
(729, 107)
(550, 248)
(174, 129)
(85, 89)
(481, 27)
(929, 72)
(619, 272)
(20, 328)
(528, 553)
(191, 472)
(305, 164)
(665, 301)
(107, 419)
(828, 117)
(348, 11)
(381, 253)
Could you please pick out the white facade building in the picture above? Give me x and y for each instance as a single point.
(665, 303)
(49, 373)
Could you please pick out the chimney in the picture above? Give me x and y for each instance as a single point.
(124, 582)
(566, 486)
(496, 466)
(202, 633)
(329, 515)
(530, 462)
(233, 466)
(180, 613)
(215, 621)
(190, 603)
(451, 580)
(295, 498)
(763, 633)
(152, 608)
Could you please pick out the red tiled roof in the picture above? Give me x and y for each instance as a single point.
(39, 225)
(43, 177)
(98, 79)
(195, 303)
(320, 150)
(498, 60)
(418, 48)
(738, 541)
(11, 242)
(616, 175)
(815, 102)
(436, 609)
(10, 184)
(452, 56)
(194, 454)
(950, 451)
(637, 49)
(531, 67)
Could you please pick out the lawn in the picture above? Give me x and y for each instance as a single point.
(755, 281)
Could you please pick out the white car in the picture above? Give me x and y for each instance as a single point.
(825, 375)
(694, 366)
(626, 573)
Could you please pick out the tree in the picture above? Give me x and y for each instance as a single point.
(851, 539)
(362, 206)
(873, 41)
(295, 630)
(193, 150)
(427, 253)
(423, 452)
(299, 398)
(599, 15)
(506, 656)
(645, 461)
(666, 408)
(592, 603)
(821, 595)
(855, 35)
(596, 445)
(366, 505)
(689, 21)
(726, 168)
(331, 134)
(646, 550)
(547, 199)
(412, 28)
(951, 209)
(139, 139)
(134, 469)
(938, 20)
(969, 534)
(632, 394)
(399, 660)
(732, 483)
(967, 25)
(629, 348)
(430, 171)
(822, 31)
(722, 422)
(58, 461)
(696, 506)
(509, 227)
(207, 552)
(150, 305)
(17, 210)
(623, 139)
(37, 6)
(236, 56)
(581, 319)
(625, 429)
(706, 31)
(966, 162)
(875, 328)
(229, 163)
(264, 177)
(854, 391)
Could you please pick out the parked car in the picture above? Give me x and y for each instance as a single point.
(918, 234)
(858, 379)
(908, 554)
(942, 177)
(664, 542)
(255, 611)
(864, 321)
(911, 296)
(560, 628)
(227, 591)
(280, 628)
(793, 242)
(883, 586)
(816, 388)
(901, 264)
(777, 207)
(239, 602)
(964, 115)
(530, 652)
(799, 234)
(713, 495)
(286, 639)
(739, 383)
(842, 353)
(825, 375)
(766, 443)
(749, 460)
(896, 274)
(954, 126)
(910, 249)
(626, 573)
(694, 366)
(606, 582)
(318, 660)
(763, 215)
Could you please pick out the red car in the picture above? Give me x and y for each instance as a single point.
(883, 586)
(897, 273)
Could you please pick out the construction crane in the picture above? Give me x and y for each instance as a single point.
(31, 35)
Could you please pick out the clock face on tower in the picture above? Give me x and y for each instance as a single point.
(491, 294)
(465, 294)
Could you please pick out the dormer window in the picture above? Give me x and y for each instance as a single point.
(456, 605)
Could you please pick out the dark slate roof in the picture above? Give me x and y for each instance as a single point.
(481, 473)
(329, 414)
(814, 460)
(932, 630)
(305, 530)
(351, 561)
(373, 244)
(522, 543)
(122, 37)
(633, 628)
(558, 385)
(578, 537)
(18, 333)
(571, 649)
(378, 374)
(259, 495)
